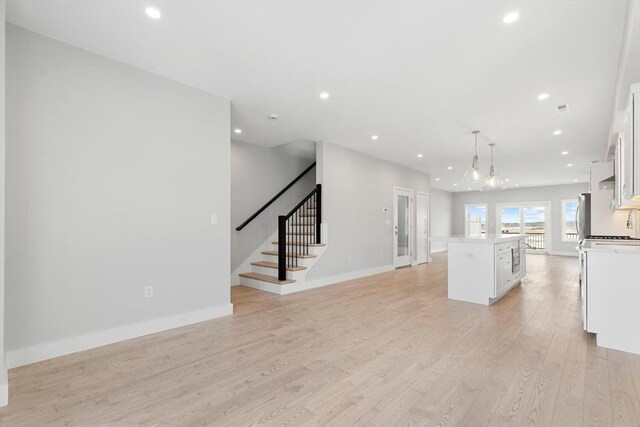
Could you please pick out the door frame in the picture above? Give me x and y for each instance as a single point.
(548, 221)
(396, 191)
(429, 259)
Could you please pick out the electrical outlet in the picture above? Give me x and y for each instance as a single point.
(214, 219)
(148, 291)
(468, 255)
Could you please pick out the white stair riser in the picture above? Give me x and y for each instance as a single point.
(291, 275)
(263, 286)
(313, 250)
(302, 262)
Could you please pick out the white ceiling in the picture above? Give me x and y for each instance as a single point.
(421, 75)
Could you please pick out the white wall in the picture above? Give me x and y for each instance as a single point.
(258, 174)
(4, 387)
(113, 174)
(441, 214)
(355, 189)
(555, 194)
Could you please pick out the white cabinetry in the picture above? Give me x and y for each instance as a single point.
(628, 155)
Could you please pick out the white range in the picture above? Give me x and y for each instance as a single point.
(481, 270)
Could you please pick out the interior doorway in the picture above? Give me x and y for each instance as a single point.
(402, 226)
(532, 219)
(423, 229)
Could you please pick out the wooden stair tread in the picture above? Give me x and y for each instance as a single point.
(266, 278)
(268, 264)
(288, 254)
(275, 242)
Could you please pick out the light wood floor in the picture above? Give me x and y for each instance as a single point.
(385, 350)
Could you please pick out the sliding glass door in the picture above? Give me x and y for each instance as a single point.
(531, 219)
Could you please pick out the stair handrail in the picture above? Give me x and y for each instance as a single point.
(300, 245)
(274, 198)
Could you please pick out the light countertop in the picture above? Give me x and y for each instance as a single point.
(626, 247)
(490, 239)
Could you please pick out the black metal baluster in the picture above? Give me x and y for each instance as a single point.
(282, 251)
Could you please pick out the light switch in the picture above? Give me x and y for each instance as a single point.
(214, 219)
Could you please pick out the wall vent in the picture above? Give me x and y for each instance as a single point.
(562, 108)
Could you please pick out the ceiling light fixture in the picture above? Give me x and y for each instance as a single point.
(569, 164)
(449, 167)
(575, 180)
(419, 156)
(543, 96)
(455, 185)
(517, 185)
(324, 95)
(557, 132)
(473, 175)
(153, 13)
(510, 17)
(437, 179)
(564, 153)
(374, 137)
(492, 182)
(506, 180)
(237, 130)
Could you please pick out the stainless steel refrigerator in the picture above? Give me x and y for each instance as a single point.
(583, 216)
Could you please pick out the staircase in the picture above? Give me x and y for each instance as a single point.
(284, 263)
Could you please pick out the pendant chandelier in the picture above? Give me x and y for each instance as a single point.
(473, 175)
(492, 182)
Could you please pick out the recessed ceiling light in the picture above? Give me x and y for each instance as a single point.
(419, 156)
(543, 96)
(437, 179)
(506, 180)
(510, 17)
(517, 185)
(564, 153)
(575, 180)
(237, 130)
(557, 132)
(153, 13)
(374, 137)
(455, 185)
(469, 188)
(324, 95)
(449, 167)
(569, 164)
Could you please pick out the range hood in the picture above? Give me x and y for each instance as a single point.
(608, 183)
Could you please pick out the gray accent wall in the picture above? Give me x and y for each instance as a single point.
(258, 174)
(355, 189)
(113, 175)
(441, 213)
(554, 194)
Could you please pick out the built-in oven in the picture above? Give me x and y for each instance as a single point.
(515, 260)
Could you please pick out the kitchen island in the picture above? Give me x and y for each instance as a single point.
(482, 270)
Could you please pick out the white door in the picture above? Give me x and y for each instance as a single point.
(423, 237)
(402, 203)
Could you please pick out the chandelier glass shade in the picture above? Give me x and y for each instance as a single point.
(492, 181)
(473, 175)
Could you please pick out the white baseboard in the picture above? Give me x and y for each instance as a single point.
(560, 253)
(332, 280)
(39, 352)
(435, 251)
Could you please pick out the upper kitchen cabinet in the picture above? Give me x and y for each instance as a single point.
(627, 156)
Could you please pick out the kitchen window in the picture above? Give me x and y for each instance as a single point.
(569, 226)
(476, 220)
